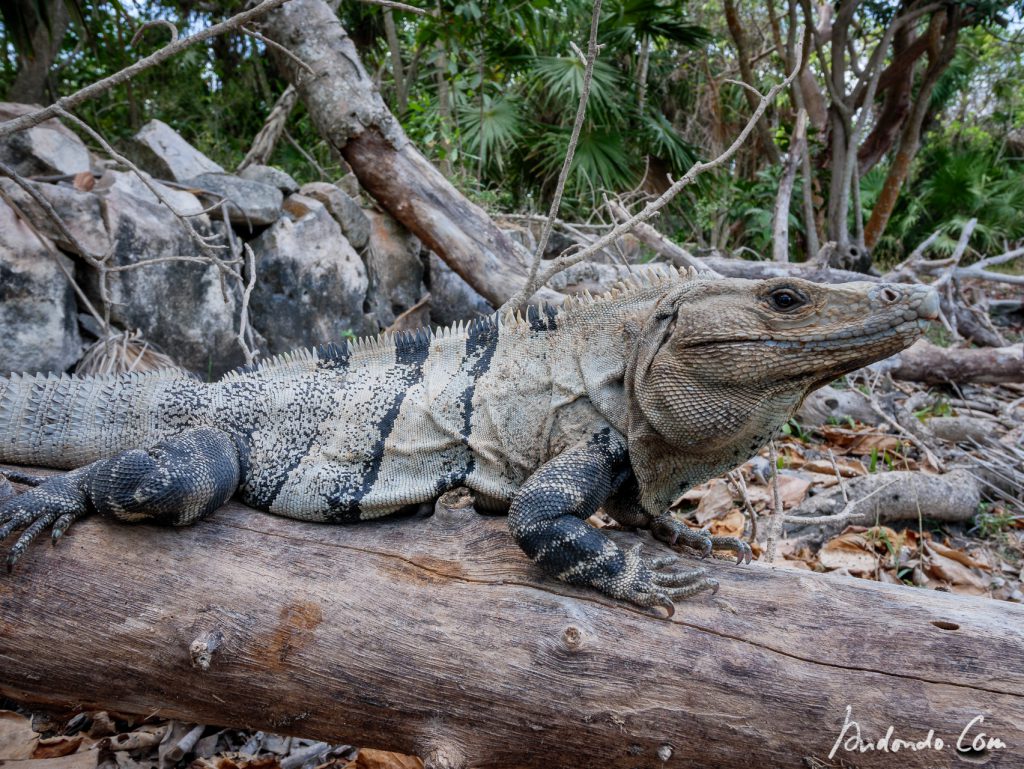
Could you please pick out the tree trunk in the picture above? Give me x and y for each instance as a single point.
(397, 70)
(910, 138)
(732, 19)
(30, 84)
(439, 638)
(780, 217)
(350, 114)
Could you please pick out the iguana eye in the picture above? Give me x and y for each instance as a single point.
(785, 299)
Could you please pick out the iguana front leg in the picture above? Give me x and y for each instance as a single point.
(176, 482)
(625, 508)
(547, 518)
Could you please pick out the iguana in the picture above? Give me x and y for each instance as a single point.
(622, 401)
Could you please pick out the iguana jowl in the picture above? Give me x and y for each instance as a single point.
(624, 401)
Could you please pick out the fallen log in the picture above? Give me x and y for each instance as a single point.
(349, 113)
(929, 363)
(437, 637)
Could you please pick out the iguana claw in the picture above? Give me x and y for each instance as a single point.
(673, 532)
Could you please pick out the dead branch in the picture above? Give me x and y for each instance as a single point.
(898, 495)
(439, 638)
(926, 362)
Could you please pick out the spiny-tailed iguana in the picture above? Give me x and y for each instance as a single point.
(622, 401)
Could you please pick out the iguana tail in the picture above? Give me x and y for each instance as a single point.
(67, 421)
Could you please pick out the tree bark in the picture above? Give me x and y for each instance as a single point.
(350, 114)
(439, 638)
(30, 84)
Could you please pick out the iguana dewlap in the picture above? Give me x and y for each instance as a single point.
(622, 401)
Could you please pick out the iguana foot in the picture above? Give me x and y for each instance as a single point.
(641, 582)
(672, 532)
(176, 482)
(56, 504)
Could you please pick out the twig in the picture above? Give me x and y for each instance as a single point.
(839, 477)
(847, 514)
(165, 23)
(736, 480)
(958, 254)
(306, 156)
(100, 86)
(521, 296)
(401, 7)
(775, 522)
(652, 208)
(279, 48)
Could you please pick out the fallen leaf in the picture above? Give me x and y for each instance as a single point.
(852, 551)
(792, 490)
(18, 739)
(382, 759)
(959, 578)
(61, 745)
(716, 502)
(959, 555)
(730, 525)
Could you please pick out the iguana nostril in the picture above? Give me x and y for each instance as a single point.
(890, 295)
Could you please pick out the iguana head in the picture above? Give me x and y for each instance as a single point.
(724, 362)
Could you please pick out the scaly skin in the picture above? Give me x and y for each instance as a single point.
(623, 401)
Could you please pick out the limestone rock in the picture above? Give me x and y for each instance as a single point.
(275, 177)
(163, 152)
(451, 298)
(311, 284)
(189, 310)
(129, 183)
(48, 148)
(353, 220)
(37, 304)
(250, 204)
(81, 212)
(393, 267)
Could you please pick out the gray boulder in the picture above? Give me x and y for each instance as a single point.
(311, 284)
(129, 183)
(451, 298)
(37, 304)
(355, 224)
(189, 310)
(394, 268)
(275, 177)
(163, 152)
(48, 148)
(80, 211)
(250, 204)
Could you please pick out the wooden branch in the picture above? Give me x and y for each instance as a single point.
(926, 362)
(350, 114)
(437, 637)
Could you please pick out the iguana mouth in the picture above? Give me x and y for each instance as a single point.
(828, 343)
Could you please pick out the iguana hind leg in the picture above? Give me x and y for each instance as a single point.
(176, 482)
(547, 518)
